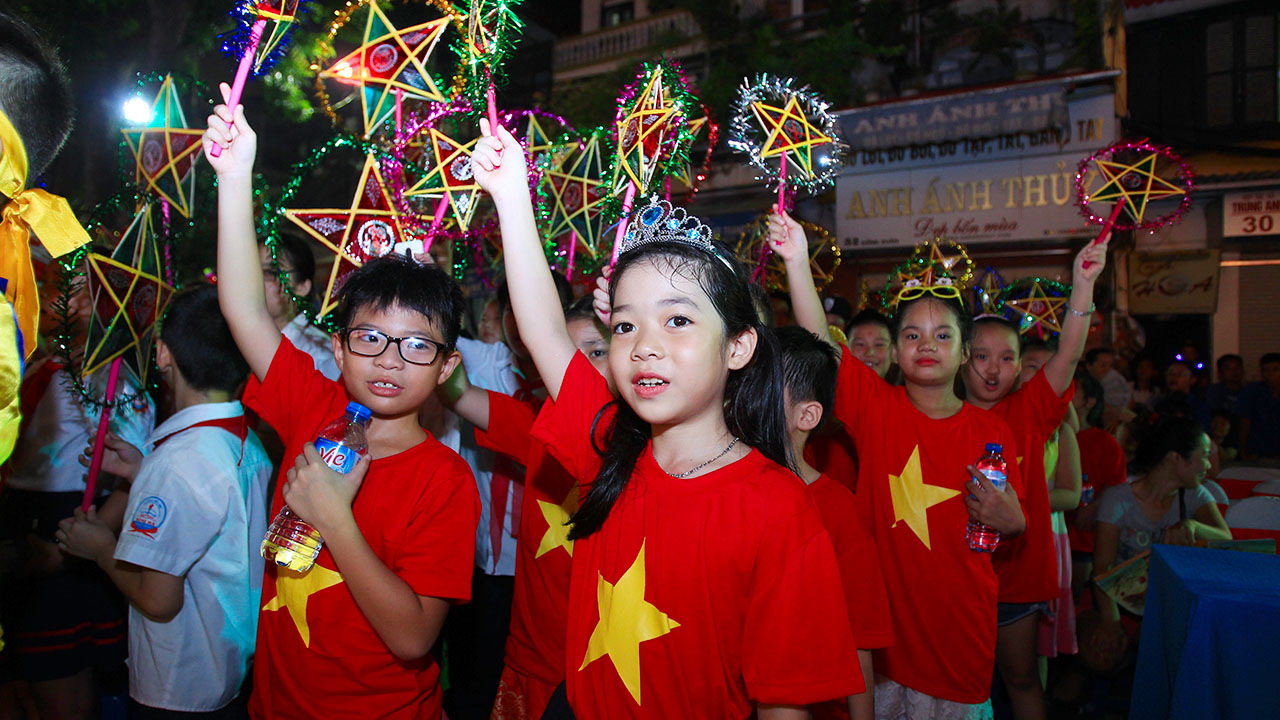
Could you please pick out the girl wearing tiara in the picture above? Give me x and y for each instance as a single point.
(703, 583)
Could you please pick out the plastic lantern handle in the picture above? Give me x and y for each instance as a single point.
(242, 74)
(100, 441)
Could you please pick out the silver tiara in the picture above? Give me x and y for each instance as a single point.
(659, 221)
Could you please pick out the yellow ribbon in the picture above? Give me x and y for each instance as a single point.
(46, 215)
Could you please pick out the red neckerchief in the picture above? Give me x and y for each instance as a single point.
(235, 425)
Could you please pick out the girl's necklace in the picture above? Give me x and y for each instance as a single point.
(687, 473)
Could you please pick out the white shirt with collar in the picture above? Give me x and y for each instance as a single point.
(313, 341)
(197, 510)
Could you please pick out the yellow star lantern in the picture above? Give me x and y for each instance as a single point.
(576, 193)
(958, 266)
(370, 228)
(545, 151)
(1136, 182)
(450, 175)
(165, 151)
(128, 296)
(294, 589)
(391, 62)
(557, 517)
(1039, 313)
(789, 132)
(652, 130)
(626, 620)
(912, 497)
(770, 270)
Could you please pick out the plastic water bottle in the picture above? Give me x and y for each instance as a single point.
(290, 542)
(1086, 491)
(984, 538)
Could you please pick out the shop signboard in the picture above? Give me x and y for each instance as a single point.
(1251, 213)
(1173, 282)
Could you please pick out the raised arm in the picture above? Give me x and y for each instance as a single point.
(1089, 264)
(499, 166)
(787, 238)
(240, 290)
(465, 399)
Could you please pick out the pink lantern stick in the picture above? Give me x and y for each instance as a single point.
(493, 110)
(573, 249)
(782, 184)
(399, 111)
(100, 442)
(666, 188)
(758, 273)
(627, 201)
(1106, 228)
(437, 217)
(242, 74)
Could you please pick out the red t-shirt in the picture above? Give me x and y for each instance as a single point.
(912, 479)
(544, 554)
(1102, 460)
(317, 655)
(1027, 565)
(718, 591)
(832, 452)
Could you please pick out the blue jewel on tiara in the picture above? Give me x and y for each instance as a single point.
(659, 221)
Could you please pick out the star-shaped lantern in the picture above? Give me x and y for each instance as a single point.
(1039, 313)
(128, 296)
(644, 131)
(165, 151)
(986, 292)
(390, 63)
(281, 14)
(576, 192)
(789, 132)
(545, 152)
(369, 229)
(1137, 183)
(957, 265)
(450, 175)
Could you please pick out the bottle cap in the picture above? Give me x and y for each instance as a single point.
(359, 412)
(991, 448)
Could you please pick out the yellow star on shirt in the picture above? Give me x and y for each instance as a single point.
(557, 517)
(1137, 183)
(294, 589)
(626, 620)
(912, 498)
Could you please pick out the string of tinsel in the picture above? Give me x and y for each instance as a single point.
(747, 137)
(245, 14)
(481, 65)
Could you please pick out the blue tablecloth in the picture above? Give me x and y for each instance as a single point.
(1210, 643)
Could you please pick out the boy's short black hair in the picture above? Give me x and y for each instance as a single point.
(398, 281)
(838, 306)
(1268, 359)
(1092, 356)
(198, 337)
(809, 368)
(295, 255)
(35, 93)
(580, 309)
(871, 317)
(1229, 357)
(563, 290)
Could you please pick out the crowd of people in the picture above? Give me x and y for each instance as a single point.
(649, 501)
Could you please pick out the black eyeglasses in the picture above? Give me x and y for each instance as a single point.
(413, 350)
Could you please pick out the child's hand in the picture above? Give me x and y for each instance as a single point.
(84, 535)
(786, 237)
(498, 164)
(118, 457)
(600, 296)
(239, 142)
(319, 495)
(993, 507)
(1090, 262)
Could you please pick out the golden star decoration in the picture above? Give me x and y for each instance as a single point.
(642, 133)
(128, 296)
(293, 590)
(1141, 173)
(281, 13)
(370, 228)
(958, 266)
(626, 620)
(789, 132)
(390, 60)
(165, 151)
(557, 517)
(1038, 312)
(450, 176)
(544, 151)
(576, 193)
(912, 497)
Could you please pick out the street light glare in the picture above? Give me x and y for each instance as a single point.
(137, 111)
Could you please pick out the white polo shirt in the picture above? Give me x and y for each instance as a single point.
(313, 341)
(198, 510)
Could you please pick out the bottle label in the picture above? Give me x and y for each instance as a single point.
(336, 456)
(997, 477)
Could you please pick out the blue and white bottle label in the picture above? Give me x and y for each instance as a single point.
(997, 478)
(336, 456)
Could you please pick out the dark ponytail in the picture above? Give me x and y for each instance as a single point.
(753, 395)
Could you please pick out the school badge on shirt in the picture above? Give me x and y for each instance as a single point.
(149, 516)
